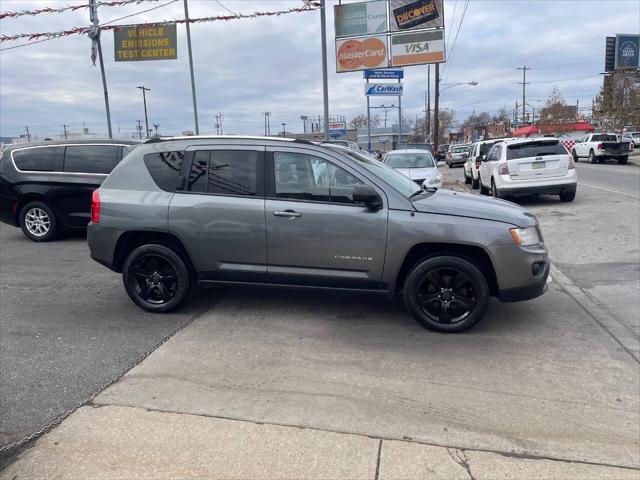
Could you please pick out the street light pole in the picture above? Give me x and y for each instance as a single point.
(325, 86)
(193, 81)
(284, 132)
(436, 110)
(144, 100)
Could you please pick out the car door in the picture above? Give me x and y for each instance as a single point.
(218, 212)
(316, 234)
(85, 167)
(581, 148)
(486, 166)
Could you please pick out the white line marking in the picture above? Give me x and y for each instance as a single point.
(608, 190)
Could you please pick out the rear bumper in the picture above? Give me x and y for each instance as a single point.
(540, 189)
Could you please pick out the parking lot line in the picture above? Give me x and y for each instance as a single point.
(609, 190)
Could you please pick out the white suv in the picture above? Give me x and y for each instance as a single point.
(528, 166)
(476, 155)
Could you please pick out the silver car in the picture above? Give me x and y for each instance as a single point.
(417, 165)
(178, 212)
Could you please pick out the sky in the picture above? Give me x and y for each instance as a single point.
(246, 67)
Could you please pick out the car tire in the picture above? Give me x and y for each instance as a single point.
(483, 189)
(623, 160)
(156, 278)
(494, 190)
(38, 222)
(467, 179)
(474, 182)
(592, 157)
(446, 294)
(575, 156)
(567, 196)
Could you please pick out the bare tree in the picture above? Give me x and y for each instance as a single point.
(360, 121)
(556, 110)
(618, 104)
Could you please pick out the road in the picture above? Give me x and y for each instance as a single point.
(595, 239)
(65, 329)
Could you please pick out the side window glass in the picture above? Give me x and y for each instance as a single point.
(305, 177)
(48, 159)
(232, 172)
(198, 173)
(90, 158)
(164, 168)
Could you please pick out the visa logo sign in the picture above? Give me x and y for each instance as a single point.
(373, 89)
(416, 47)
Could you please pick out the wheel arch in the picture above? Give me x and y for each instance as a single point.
(472, 253)
(129, 241)
(28, 198)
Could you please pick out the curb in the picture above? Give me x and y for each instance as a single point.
(622, 334)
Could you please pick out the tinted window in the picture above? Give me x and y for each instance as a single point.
(90, 158)
(604, 138)
(306, 177)
(227, 172)
(164, 168)
(535, 149)
(48, 159)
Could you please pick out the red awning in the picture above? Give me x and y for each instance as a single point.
(526, 131)
(568, 127)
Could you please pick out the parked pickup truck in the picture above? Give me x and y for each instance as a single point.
(597, 147)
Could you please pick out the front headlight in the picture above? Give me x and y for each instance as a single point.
(435, 180)
(526, 237)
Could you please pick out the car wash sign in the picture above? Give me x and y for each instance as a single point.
(145, 42)
(383, 89)
(361, 18)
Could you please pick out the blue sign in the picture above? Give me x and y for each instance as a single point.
(337, 133)
(385, 74)
(375, 89)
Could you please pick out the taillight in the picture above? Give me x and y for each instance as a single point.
(600, 146)
(503, 169)
(449, 155)
(572, 163)
(95, 207)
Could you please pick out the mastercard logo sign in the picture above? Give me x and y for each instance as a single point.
(361, 54)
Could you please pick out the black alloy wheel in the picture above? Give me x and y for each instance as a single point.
(446, 294)
(156, 278)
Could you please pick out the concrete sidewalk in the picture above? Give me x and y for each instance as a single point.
(266, 387)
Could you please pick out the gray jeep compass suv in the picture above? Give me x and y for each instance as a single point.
(290, 213)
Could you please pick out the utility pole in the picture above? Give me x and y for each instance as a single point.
(428, 122)
(267, 123)
(193, 81)
(139, 128)
(93, 16)
(436, 110)
(524, 84)
(28, 134)
(155, 125)
(64, 127)
(284, 132)
(515, 114)
(325, 85)
(144, 100)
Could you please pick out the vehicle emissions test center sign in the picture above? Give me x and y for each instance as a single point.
(360, 18)
(144, 42)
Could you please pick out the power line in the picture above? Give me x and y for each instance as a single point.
(451, 52)
(227, 9)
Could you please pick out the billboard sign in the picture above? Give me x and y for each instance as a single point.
(627, 51)
(382, 89)
(417, 48)
(360, 18)
(384, 74)
(337, 129)
(354, 54)
(413, 14)
(143, 42)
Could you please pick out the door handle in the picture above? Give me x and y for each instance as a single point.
(287, 213)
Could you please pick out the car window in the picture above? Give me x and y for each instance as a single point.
(604, 138)
(535, 149)
(224, 172)
(164, 168)
(410, 160)
(306, 177)
(47, 159)
(90, 158)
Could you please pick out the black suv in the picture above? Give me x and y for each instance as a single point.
(45, 188)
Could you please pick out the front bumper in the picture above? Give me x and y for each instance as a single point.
(526, 292)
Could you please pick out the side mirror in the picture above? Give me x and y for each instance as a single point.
(367, 195)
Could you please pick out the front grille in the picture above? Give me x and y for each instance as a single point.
(419, 182)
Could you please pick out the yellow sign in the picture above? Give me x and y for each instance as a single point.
(142, 42)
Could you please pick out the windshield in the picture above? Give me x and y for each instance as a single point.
(604, 138)
(535, 149)
(409, 160)
(399, 182)
(636, 135)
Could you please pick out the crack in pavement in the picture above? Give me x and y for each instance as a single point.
(460, 457)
